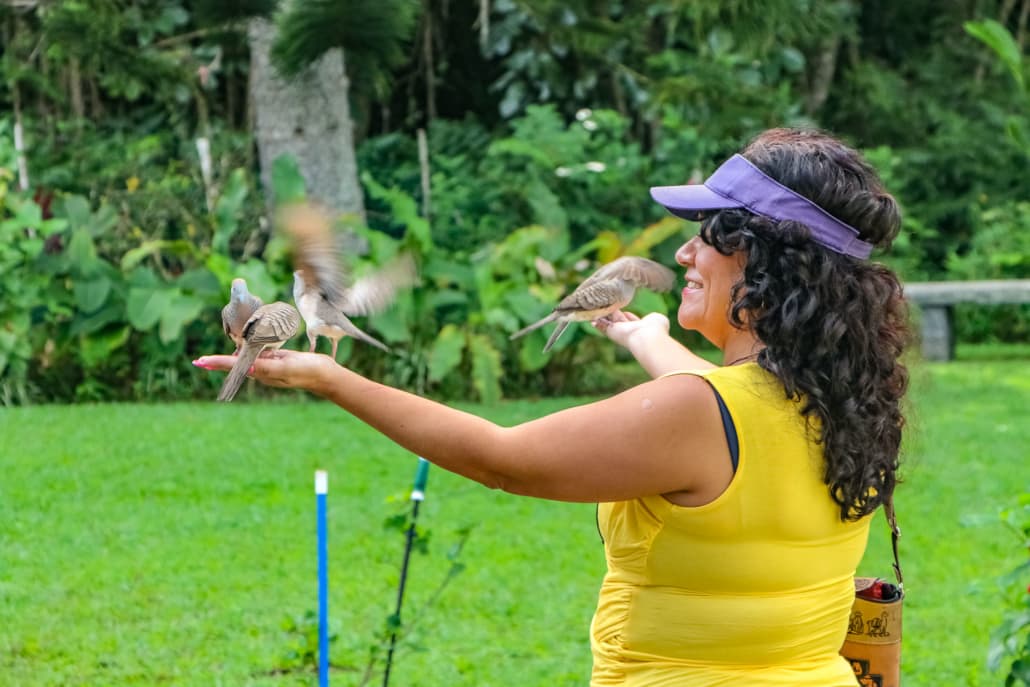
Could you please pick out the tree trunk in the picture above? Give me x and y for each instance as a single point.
(308, 117)
(75, 86)
(821, 74)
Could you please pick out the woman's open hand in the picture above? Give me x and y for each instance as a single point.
(287, 369)
(623, 326)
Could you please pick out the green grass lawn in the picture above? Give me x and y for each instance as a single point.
(167, 544)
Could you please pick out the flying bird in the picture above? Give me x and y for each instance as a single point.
(610, 288)
(268, 328)
(242, 304)
(321, 288)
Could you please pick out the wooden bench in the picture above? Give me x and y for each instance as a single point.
(936, 298)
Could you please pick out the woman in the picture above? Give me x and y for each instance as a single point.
(734, 499)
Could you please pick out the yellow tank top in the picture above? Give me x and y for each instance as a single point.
(754, 588)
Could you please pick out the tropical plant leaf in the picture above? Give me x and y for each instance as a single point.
(445, 354)
(145, 305)
(547, 208)
(531, 352)
(98, 347)
(403, 210)
(259, 281)
(997, 38)
(288, 185)
(227, 210)
(81, 252)
(486, 369)
(178, 247)
(395, 322)
(654, 234)
(645, 301)
(180, 311)
(84, 324)
(90, 294)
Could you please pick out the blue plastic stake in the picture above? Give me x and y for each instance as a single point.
(321, 490)
(418, 495)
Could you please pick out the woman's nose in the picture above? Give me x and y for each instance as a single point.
(685, 254)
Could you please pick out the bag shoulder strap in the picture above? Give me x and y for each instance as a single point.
(892, 522)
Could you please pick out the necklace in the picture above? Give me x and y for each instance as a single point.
(750, 356)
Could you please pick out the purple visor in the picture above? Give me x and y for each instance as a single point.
(739, 184)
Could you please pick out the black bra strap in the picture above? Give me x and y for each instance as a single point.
(730, 429)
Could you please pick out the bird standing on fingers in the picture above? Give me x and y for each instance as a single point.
(242, 304)
(610, 288)
(268, 328)
(319, 284)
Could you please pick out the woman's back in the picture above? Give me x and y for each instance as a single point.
(753, 588)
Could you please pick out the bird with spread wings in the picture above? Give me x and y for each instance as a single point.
(323, 290)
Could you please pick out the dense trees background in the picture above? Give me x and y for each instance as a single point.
(141, 148)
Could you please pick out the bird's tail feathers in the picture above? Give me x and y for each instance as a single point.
(369, 339)
(555, 334)
(238, 373)
(535, 325)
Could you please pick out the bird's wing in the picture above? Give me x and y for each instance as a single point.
(271, 324)
(316, 250)
(640, 272)
(374, 292)
(227, 318)
(597, 294)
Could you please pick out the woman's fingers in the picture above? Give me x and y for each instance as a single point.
(222, 363)
(282, 368)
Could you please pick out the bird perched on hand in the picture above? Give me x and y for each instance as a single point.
(242, 304)
(608, 289)
(320, 287)
(268, 328)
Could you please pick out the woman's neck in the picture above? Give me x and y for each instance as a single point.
(741, 349)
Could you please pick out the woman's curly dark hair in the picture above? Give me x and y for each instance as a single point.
(834, 326)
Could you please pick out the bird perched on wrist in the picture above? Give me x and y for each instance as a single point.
(242, 304)
(320, 286)
(268, 329)
(610, 288)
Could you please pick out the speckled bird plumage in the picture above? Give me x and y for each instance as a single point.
(268, 328)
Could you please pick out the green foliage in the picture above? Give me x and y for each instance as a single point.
(99, 309)
(372, 33)
(999, 250)
(116, 43)
(1010, 641)
(27, 289)
(553, 115)
(583, 176)
(638, 57)
(301, 653)
(1009, 52)
(997, 38)
(456, 324)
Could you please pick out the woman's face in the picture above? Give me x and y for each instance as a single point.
(705, 300)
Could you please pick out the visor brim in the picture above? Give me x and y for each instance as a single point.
(691, 202)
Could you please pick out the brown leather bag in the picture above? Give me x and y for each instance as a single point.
(873, 643)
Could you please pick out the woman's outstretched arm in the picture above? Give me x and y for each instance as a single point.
(660, 437)
(648, 339)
